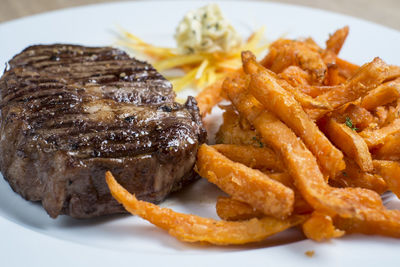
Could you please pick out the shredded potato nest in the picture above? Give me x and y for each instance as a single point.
(200, 69)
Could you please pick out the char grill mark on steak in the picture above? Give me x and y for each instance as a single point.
(69, 113)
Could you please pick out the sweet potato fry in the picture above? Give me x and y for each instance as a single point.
(368, 77)
(300, 205)
(349, 142)
(336, 40)
(295, 76)
(374, 138)
(230, 209)
(245, 184)
(300, 162)
(265, 88)
(346, 69)
(192, 228)
(352, 176)
(382, 95)
(320, 227)
(359, 117)
(251, 156)
(333, 46)
(316, 90)
(333, 78)
(236, 130)
(390, 150)
(390, 171)
(381, 114)
(284, 53)
(392, 112)
(209, 97)
(376, 222)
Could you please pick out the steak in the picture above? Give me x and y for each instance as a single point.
(69, 113)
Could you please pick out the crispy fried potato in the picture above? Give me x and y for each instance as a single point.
(300, 162)
(230, 209)
(265, 88)
(349, 142)
(352, 176)
(377, 137)
(382, 95)
(320, 227)
(245, 184)
(390, 171)
(251, 156)
(192, 228)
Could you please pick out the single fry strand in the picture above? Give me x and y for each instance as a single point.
(346, 69)
(350, 143)
(209, 97)
(192, 228)
(245, 184)
(376, 222)
(230, 209)
(337, 39)
(382, 95)
(251, 156)
(377, 137)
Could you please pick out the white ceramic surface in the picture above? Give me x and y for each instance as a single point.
(29, 236)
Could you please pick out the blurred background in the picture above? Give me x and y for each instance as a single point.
(385, 12)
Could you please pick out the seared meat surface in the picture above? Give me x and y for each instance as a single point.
(69, 113)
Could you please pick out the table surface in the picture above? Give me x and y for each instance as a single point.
(384, 12)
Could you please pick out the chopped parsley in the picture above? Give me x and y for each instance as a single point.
(259, 141)
(344, 173)
(349, 123)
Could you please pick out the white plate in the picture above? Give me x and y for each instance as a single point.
(29, 236)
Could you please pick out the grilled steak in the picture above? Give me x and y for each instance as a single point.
(69, 113)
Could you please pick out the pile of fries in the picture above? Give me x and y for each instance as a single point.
(201, 69)
(309, 139)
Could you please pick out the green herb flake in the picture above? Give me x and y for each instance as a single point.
(259, 142)
(349, 123)
(344, 173)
